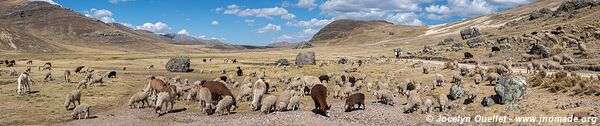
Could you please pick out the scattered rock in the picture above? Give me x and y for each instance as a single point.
(576, 104)
(458, 46)
(178, 64)
(510, 89)
(447, 41)
(539, 13)
(343, 60)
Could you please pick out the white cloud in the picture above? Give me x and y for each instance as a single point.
(118, 1)
(373, 10)
(157, 27)
(470, 8)
(214, 22)
(48, 1)
(249, 22)
(309, 31)
(440, 9)
(218, 10)
(409, 18)
(403, 11)
(259, 12)
(292, 38)
(269, 27)
(101, 14)
(183, 32)
(312, 23)
(306, 4)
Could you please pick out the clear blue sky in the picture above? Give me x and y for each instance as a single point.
(260, 22)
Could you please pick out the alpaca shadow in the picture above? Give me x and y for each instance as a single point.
(490, 84)
(353, 109)
(89, 117)
(317, 111)
(172, 111)
(177, 110)
(468, 101)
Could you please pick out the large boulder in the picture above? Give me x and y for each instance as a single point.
(469, 33)
(457, 91)
(282, 62)
(539, 49)
(178, 64)
(476, 41)
(509, 89)
(305, 58)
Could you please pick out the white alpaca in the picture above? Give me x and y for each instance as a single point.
(23, 83)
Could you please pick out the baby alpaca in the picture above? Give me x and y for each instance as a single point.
(140, 97)
(268, 103)
(81, 109)
(72, 97)
(224, 105)
(294, 103)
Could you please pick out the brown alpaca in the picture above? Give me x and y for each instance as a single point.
(218, 91)
(155, 85)
(319, 95)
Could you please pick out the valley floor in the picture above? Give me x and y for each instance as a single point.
(45, 105)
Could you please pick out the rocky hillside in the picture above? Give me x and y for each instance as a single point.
(35, 27)
(349, 32)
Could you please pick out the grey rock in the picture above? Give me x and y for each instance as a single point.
(476, 41)
(539, 49)
(539, 13)
(487, 101)
(178, 64)
(469, 33)
(458, 46)
(282, 62)
(343, 60)
(447, 41)
(305, 58)
(510, 89)
(457, 91)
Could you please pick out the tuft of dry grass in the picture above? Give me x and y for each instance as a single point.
(563, 82)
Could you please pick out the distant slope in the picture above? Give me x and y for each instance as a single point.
(355, 32)
(34, 27)
(283, 44)
(182, 39)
